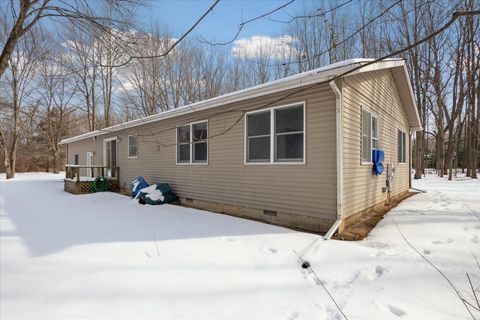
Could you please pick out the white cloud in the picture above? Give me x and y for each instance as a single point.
(264, 46)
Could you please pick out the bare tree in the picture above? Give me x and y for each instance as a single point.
(57, 91)
(18, 100)
(23, 15)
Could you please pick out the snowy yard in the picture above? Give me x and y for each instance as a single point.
(103, 256)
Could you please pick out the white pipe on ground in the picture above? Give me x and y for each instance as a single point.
(339, 154)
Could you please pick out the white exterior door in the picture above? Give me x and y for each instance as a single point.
(89, 163)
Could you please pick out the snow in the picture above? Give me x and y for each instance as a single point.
(103, 256)
(156, 195)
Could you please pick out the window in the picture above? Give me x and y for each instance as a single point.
(370, 135)
(75, 159)
(275, 135)
(401, 147)
(199, 142)
(133, 146)
(258, 136)
(192, 143)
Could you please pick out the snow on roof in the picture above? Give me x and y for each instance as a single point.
(290, 82)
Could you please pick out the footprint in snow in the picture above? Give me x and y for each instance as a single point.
(228, 239)
(348, 279)
(392, 309)
(426, 251)
(449, 240)
(292, 316)
(396, 311)
(474, 239)
(376, 273)
(268, 250)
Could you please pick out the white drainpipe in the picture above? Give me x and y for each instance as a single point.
(338, 132)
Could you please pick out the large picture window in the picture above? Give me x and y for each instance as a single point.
(402, 147)
(192, 143)
(370, 135)
(133, 146)
(275, 135)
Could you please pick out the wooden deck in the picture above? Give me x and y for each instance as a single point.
(75, 183)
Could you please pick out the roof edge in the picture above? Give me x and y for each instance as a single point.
(291, 82)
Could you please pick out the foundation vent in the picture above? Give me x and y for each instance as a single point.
(270, 213)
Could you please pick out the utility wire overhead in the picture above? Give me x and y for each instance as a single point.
(197, 22)
(454, 17)
(293, 18)
(242, 25)
(351, 36)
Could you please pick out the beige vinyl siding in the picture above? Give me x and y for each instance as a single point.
(82, 147)
(299, 189)
(376, 91)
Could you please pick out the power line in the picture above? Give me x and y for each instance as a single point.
(318, 55)
(242, 25)
(454, 17)
(197, 22)
(293, 18)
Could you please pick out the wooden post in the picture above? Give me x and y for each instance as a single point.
(103, 171)
(78, 174)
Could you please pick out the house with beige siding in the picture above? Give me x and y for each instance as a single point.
(295, 152)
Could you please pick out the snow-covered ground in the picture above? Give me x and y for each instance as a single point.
(103, 256)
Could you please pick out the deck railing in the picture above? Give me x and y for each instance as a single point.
(72, 171)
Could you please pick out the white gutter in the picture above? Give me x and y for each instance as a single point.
(339, 154)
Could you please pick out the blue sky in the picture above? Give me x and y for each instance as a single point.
(221, 25)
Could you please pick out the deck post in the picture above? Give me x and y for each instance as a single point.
(78, 173)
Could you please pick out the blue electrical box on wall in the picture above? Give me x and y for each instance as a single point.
(378, 156)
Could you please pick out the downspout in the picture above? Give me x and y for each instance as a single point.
(339, 155)
(410, 158)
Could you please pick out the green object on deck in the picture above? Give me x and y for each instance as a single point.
(100, 184)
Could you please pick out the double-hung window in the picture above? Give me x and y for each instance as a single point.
(370, 135)
(192, 143)
(275, 135)
(133, 146)
(401, 147)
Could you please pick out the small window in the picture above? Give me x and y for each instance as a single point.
(75, 159)
(133, 146)
(285, 138)
(258, 137)
(401, 147)
(199, 143)
(374, 133)
(370, 135)
(192, 143)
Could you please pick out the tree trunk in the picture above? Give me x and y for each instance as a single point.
(56, 158)
(419, 152)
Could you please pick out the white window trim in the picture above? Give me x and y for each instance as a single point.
(272, 136)
(128, 149)
(90, 171)
(372, 115)
(405, 149)
(191, 145)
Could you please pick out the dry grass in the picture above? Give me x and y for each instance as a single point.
(359, 227)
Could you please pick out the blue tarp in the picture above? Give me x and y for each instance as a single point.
(138, 184)
(378, 156)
